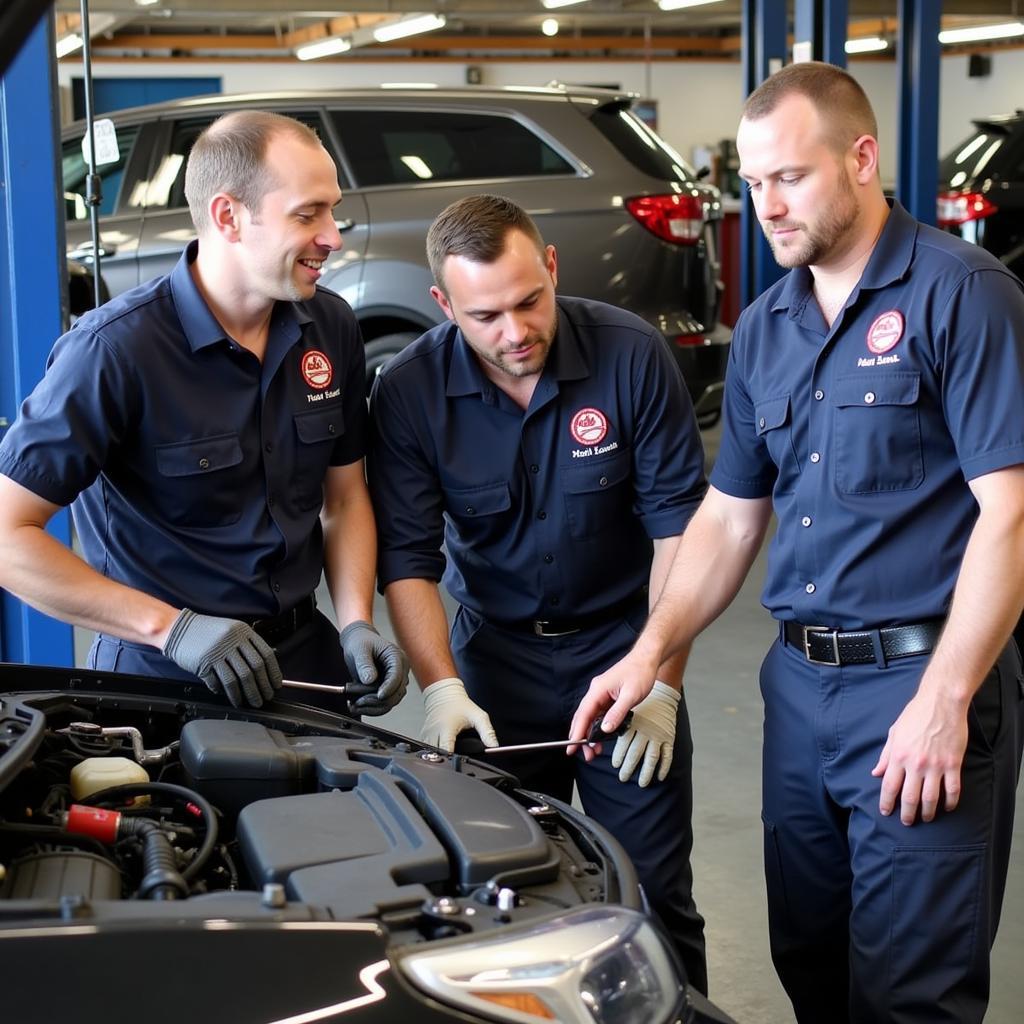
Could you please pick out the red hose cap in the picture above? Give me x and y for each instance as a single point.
(97, 822)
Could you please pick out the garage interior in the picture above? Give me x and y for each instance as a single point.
(691, 63)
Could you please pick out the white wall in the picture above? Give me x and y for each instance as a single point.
(698, 102)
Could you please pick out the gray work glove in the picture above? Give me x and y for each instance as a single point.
(227, 655)
(370, 657)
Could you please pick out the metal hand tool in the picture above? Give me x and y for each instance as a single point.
(346, 690)
(593, 736)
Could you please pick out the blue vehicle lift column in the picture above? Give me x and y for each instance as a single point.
(32, 295)
(764, 51)
(821, 25)
(918, 65)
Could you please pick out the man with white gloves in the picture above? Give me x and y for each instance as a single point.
(548, 443)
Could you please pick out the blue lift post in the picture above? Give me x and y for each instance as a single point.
(822, 24)
(765, 24)
(32, 296)
(918, 67)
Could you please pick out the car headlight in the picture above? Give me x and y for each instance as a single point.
(607, 965)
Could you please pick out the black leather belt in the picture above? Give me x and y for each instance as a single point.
(568, 626)
(277, 627)
(825, 646)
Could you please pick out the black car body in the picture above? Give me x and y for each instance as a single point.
(981, 188)
(350, 873)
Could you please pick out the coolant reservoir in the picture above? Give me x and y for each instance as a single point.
(96, 773)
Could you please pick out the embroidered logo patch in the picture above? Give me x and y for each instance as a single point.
(317, 370)
(886, 330)
(589, 426)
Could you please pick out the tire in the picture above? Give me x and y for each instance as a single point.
(380, 350)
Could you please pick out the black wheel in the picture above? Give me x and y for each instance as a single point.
(380, 350)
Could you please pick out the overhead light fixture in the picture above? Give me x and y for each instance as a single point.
(978, 33)
(675, 5)
(553, 5)
(68, 44)
(323, 48)
(411, 26)
(869, 44)
(146, 3)
(549, 26)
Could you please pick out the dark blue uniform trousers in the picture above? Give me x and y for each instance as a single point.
(530, 686)
(873, 921)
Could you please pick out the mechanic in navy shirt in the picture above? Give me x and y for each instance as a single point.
(874, 398)
(209, 427)
(551, 445)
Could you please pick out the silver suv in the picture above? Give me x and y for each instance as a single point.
(633, 223)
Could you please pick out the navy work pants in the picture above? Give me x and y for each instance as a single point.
(872, 920)
(530, 686)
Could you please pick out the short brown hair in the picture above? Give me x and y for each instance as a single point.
(229, 157)
(476, 227)
(841, 103)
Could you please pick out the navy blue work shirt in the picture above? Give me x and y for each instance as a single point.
(866, 434)
(545, 513)
(196, 472)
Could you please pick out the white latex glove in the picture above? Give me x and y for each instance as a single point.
(650, 736)
(449, 711)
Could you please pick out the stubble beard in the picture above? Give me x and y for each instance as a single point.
(824, 238)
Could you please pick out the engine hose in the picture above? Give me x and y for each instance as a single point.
(161, 879)
(117, 794)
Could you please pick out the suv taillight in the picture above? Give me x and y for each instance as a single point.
(672, 218)
(955, 208)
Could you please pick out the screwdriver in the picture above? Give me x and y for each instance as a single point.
(593, 736)
(348, 690)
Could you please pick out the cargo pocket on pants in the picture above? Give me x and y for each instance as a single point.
(936, 906)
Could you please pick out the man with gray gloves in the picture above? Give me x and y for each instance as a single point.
(208, 427)
(550, 444)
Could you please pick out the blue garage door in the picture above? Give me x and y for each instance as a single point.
(117, 93)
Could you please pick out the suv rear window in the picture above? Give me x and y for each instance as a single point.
(398, 147)
(968, 160)
(645, 150)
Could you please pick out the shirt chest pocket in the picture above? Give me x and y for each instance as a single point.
(598, 495)
(477, 511)
(200, 481)
(773, 423)
(878, 433)
(315, 434)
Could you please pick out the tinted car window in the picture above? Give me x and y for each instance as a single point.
(968, 160)
(645, 150)
(397, 147)
(74, 171)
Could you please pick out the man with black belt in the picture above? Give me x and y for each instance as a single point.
(873, 397)
(546, 442)
(209, 428)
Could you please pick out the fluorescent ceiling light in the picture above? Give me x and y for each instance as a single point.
(869, 44)
(553, 5)
(1007, 30)
(675, 5)
(68, 44)
(323, 48)
(549, 26)
(411, 26)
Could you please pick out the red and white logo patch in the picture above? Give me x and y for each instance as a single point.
(589, 426)
(317, 370)
(886, 330)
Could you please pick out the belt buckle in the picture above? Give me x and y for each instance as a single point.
(540, 629)
(835, 645)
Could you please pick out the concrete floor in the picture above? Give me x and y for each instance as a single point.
(726, 715)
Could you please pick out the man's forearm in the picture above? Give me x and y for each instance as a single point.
(350, 545)
(671, 669)
(47, 575)
(421, 626)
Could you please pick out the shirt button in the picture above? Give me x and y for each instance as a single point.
(277, 588)
(819, 395)
(534, 468)
(204, 463)
(470, 510)
(554, 602)
(815, 457)
(810, 588)
(760, 423)
(268, 447)
(806, 521)
(270, 502)
(869, 397)
(549, 559)
(542, 514)
(603, 481)
(330, 428)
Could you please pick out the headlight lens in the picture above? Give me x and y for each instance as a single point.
(603, 965)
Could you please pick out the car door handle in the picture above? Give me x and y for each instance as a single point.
(345, 225)
(84, 252)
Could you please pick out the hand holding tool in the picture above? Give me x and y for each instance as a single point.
(593, 736)
(348, 690)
